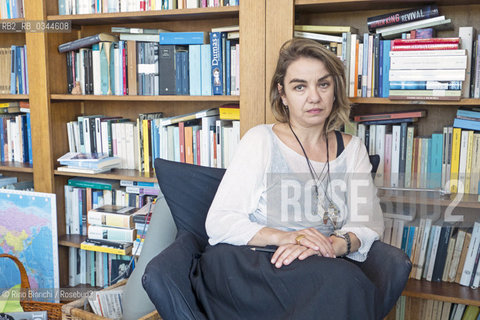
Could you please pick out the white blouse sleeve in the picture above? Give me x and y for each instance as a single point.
(365, 217)
(240, 190)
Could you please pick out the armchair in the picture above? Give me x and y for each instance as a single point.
(188, 191)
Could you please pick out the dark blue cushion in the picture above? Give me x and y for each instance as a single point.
(189, 191)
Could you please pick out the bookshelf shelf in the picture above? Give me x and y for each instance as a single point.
(71, 240)
(148, 16)
(429, 198)
(115, 174)
(13, 96)
(16, 167)
(70, 97)
(443, 291)
(384, 101)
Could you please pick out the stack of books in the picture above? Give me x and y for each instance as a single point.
(90, 163)
(110, 229)
(427, 69)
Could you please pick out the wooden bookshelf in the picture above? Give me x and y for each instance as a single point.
(443, 291)
(16, 167)
(148, 16)
(13, 96)
(115, 174)
(282, 17)
(71, 97)
(71, 240)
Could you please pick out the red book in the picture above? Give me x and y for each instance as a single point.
(426, 46)
(425, 41)
(181, 132)
(391, 115)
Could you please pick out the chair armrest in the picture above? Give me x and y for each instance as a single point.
(388, 268)
(166, 279)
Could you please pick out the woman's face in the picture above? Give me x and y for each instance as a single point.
(308, 92)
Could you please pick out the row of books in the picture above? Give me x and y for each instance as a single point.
(434, 309)
(11, 9)
(85, 194)
(97, 269)
(438, 253)
(68, 7)
(208, 137)
(446, 160)
(13, 67)
(15, 135)
(171, 63)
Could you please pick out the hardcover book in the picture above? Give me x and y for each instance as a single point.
(400, 17)
(217, 62)
(86, 42)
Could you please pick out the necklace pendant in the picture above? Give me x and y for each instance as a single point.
(332, 214)
(325, 217)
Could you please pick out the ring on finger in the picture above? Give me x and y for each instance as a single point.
(298, 238)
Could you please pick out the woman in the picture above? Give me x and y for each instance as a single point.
(302, 187)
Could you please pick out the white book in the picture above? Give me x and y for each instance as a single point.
(444, 155)
(475, 172)
(467, 35)
(72, 267)
(68, 191)
(76, 132)
(83, 267)
(81, 68)
(70, 135)
(397, 232)
(423, 248)
(129, 144)
(112, 234)
(462, 167)
(192, 4)
(104, 135)
(116, 69)
(370, 66)
(458, 313)
(429, 53)
(426, 75)
(457, 251)
(428, 62)
(387, 234)
(361, 128)
(409, 157)
(97, 87)
(409, 26)
(360, 69)
(317, 36)
(352, 61)
(75, 212)
(380, 150)
(395, 156)
(121, 144)
(371, 139)
(98, 135)
(433, 254)
(205, 150)
(471, 255)
(99, 267)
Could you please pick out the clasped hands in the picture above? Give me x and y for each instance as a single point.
(305, 243)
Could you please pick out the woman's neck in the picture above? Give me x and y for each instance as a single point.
(309, 136)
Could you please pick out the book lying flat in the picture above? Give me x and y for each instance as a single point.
(83, 170)
(86, 42)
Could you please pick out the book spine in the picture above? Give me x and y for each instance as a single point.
(401, 17)
(181, 38)
(112, 234)
(426, 46)
(386, 116)
(467, 271)
(426, 62)
(396, 42)
(216, 62)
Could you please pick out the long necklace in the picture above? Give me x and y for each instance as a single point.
(331, 212)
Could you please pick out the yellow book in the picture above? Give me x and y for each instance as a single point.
(475, 172)
(468, 169)
(326, 29)
(229, 113)
(189, 144)
(146, 145)
(106, 249)
(457, 134)
(471, 313)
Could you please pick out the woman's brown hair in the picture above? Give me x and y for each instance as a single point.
(291, 51)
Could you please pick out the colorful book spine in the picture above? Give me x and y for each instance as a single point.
(400, 17)
(181, 38)
(216, 62)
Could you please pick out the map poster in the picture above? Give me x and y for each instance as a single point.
(28, 230)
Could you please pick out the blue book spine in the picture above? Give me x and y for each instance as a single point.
(9, 11)
(206, 69)
(25, 71)
(29, 140)
(411, 234)
(435, 179)
(381, 69)
(103, 69)
(466, 124)
(18, 74)
(217, 63)
(176, 144)
(105, 270)
(468, 113)
(404, 238)
(25, 138)
(92, 269)
(153, 142)
(365, 65)
(13, 71)
(181, 38)
(111, 68)
(185, 74)
(228, 67)
(14, 9)
(2, 141)
(178, 73)
(408, 85)
(195, 70)
(386, 69)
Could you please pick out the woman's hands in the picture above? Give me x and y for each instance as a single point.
(312, 243)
